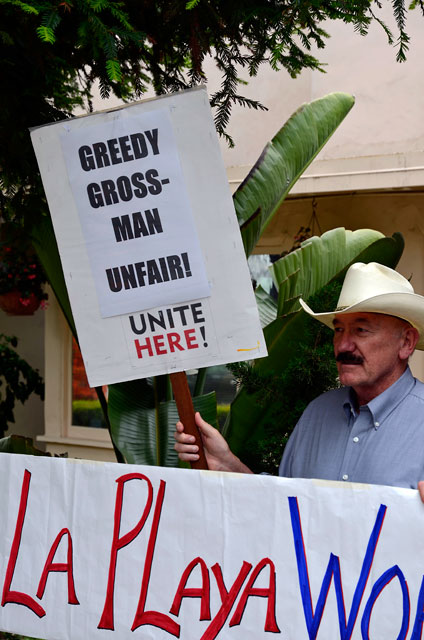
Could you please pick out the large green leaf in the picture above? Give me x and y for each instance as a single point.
(44, 242)
(283, 160)
(267, 306)
(143, 428)
(247, 417)
(304, 271)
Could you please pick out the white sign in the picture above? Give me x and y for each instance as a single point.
(134, 211)
(94, 551)
(149, 241)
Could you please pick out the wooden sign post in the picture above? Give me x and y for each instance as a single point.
(185, 408)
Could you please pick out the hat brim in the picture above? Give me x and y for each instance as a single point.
(408, 306)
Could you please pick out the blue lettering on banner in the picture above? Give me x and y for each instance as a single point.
(312, 619)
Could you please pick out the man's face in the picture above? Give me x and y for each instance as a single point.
(369, 350)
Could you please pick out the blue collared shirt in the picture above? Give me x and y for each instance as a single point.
(382, 443)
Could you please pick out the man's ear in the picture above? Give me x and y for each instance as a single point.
(410, 338)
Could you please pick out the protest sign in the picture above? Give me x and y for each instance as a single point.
(149, 242)
(100, 550)
(114, 168)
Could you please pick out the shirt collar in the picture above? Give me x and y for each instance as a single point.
(382, 405)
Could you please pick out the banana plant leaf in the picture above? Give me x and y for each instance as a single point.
(267, 306)
(283, 160)
(45, 244)
(246, 420)
(142, 427)
(296, 275)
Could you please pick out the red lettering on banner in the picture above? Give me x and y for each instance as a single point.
(65, 567)
(228, 598)
(17, 597)
(154, 618)
(106, 621)
(269, 592)
(166, 343)
(203, 592)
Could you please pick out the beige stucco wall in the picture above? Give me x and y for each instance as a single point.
(387, 117)
(29, 417)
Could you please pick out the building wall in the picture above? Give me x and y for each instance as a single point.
(387, 116)
(29, 417)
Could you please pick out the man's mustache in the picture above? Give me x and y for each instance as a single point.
(349, 358)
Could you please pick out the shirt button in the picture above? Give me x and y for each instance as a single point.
(376, 424)
(356, 439)
(345, 477)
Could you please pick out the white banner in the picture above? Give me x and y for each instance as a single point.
(149, 241)
(96, 551)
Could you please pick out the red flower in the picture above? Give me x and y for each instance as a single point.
(31, 277)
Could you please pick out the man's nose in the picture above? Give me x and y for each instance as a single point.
(344, 342)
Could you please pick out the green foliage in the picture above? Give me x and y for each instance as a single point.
(18, 380)
(283, 161)
(44, 242)
(46, 34)
(222, 413)
(114, 70)
(87, 413)
(302, 273)
(20, 445)
(288, 390)
(4, 635)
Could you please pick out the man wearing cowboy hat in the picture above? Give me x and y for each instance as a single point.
(372, 428)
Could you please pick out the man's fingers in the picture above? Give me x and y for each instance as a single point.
(421, 489)
(184, 438)
(185, 443)
(188, 457)
(182, 447)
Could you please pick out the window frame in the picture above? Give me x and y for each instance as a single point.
(60, 434)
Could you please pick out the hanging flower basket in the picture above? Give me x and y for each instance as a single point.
(21, 275)
(15, 304)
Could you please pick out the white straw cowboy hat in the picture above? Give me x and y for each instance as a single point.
(375, 288)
